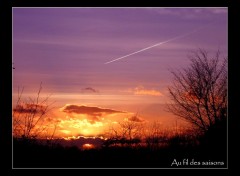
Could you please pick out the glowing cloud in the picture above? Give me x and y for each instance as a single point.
(86, 120)
(142, 91)
(84, 126)
(65, 131)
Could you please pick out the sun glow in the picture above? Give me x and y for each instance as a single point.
(87, 146)
(86, 120)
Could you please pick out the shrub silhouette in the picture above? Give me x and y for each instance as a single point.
(30, 115)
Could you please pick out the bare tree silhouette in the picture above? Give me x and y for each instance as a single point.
(199, 92)
(128, 133)
(30, 115)
(156, 136)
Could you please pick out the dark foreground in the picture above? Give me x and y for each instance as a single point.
(211, 152)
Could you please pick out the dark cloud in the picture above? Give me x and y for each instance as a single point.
(88, 110)
(29, 108)
(89, 90)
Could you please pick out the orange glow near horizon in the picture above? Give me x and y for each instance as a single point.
(87, 146)
(71, 121)
(79, 121)
(98, 112)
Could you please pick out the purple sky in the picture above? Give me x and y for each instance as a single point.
(66, 48)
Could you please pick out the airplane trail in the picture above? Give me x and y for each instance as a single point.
(160, 43)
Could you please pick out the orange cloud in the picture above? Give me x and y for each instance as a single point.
(142, 91)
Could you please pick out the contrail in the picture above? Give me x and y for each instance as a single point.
(160, 43)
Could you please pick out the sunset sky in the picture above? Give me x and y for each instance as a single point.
(66, 49)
